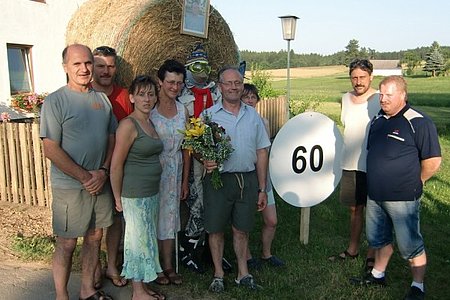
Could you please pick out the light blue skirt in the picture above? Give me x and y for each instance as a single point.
(141, 257)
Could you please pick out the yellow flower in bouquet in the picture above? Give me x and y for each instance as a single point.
(194, 129)
(208, 139)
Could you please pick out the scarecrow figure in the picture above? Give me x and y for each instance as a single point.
(199, 93)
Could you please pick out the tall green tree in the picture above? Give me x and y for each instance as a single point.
(446, 69)
(434, 60)
(351, 51)
(412, 61)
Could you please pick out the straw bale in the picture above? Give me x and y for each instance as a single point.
(147, 32)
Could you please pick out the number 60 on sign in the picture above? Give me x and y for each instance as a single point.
(305, 159)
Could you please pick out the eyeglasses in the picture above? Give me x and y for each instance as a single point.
(105, 50)
(173, 82)
(231, 83)
(199, 67)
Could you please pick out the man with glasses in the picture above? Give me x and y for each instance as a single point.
(77, 131)
(198, 94)
(103, 81)
(243, 176)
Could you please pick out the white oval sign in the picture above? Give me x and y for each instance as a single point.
(305, 159)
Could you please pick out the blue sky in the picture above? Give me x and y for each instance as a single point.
(326, 26)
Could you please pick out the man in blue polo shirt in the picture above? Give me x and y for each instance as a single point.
(403, 153)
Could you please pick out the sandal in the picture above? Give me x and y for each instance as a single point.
(117, 280)
(368, 264)
(162, 279)
(174, 278)
(343, 256)
(99, 295)
(158, 295)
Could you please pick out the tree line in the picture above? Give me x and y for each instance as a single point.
(434, 60)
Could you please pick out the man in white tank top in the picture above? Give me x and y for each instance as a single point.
(358, 107)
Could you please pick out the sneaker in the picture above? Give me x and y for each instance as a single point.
(274, 261)
(217, 285)
(368, 280)
(254, 264)
(415, 294)
(248, 282)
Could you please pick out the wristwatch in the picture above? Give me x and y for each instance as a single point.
(262, 191)
(105, 169)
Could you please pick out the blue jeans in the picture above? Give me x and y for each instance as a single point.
(402, 217)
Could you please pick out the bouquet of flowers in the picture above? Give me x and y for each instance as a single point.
(208, 139)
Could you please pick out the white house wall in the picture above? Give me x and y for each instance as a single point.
(387, 72)
(43, 26)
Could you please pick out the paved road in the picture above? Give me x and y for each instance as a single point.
(35, 282)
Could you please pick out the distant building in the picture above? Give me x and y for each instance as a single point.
(31, 41)
(386, 67)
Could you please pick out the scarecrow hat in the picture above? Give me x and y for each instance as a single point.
(197, 55)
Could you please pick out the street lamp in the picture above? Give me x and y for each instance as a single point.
(288, 24)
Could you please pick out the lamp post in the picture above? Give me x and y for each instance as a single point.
(288, 24)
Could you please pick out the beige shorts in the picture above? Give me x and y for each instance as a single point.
(76, 211)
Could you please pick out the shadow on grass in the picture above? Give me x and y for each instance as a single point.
(418, 76)
(429, 99)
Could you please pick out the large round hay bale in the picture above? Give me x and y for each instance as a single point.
(147, 32)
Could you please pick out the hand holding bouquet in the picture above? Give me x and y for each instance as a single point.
(208, 139)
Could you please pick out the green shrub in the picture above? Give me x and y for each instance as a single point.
(34, 248)
(262, 80)
(304, 103)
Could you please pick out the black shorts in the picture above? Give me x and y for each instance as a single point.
(353, 188)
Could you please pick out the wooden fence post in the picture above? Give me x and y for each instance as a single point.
(40, 165)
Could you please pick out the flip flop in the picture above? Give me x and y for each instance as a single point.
(343, 256)
(162, 279)
(174, 278)
(158, 295)
(99, 295)
(117, 280)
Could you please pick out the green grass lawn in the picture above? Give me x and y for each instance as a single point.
(309, 275)
(424, 91)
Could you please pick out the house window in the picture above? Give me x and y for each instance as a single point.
(20, 71)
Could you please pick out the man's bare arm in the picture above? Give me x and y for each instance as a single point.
(62, 161)
(262, 161)
(429, 167)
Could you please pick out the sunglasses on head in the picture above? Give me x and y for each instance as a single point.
(105, 50)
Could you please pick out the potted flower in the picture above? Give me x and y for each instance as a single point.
(28, 102)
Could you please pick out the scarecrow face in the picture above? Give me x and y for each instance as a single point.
(200, 70)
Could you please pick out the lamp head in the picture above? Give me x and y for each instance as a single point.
(288, 24)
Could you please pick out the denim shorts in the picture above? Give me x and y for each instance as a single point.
(383, 218)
